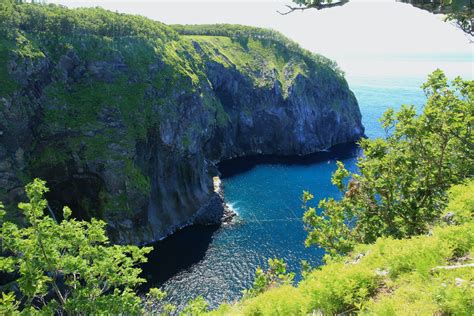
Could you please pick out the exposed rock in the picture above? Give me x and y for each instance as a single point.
(381, 272)
(216, 210)
(459, 282)
(357, 258)
(448, 218)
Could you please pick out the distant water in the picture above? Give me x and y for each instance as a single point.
(219, 262)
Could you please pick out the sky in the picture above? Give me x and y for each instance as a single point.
(365, 37)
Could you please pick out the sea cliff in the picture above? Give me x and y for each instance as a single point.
(126, 118)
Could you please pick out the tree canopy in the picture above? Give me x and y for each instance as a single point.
(400, 189)
(458, 11)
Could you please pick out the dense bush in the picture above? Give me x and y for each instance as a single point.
(275, 276)
(460, 208)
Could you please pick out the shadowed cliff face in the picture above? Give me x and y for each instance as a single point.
(316, 114)
(134, 128)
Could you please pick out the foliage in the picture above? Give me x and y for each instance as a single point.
(54, 21)
(390, 277)
(275, 276)
(2, 211)
(313, 4)
(459, 11)
(81, 106)
(68, 267)
(283, 300)
(108, 80)
(8, 86)
(461, 203)
(9, 17)
(406, 182)
(153, 303)
(413, 285)
(417, 296)
(401, 188)
(253, 60)
(197, 306)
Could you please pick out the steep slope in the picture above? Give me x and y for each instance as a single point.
(125, 117)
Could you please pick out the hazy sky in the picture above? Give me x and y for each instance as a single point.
(361, 36)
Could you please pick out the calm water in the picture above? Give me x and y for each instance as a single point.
(218, 263)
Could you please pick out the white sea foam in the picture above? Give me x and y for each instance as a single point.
(232, 206)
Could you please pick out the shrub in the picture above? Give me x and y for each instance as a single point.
(68, 267)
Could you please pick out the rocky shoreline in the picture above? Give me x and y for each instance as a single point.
(216, 211)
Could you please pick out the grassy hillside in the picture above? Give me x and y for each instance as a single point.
(390, 277)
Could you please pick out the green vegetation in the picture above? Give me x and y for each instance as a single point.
(53, 20)
(275, 276)
(266, 38)
(400, 241)
(460, 208)
(111, 78)
(68, 267)
(388, 277)
(137, 178)
(197, 306)
(251, 59)
(8, 85)
(461, 12)
(400, 188)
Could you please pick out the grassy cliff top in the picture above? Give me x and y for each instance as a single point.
(95, 34)
(267, 38)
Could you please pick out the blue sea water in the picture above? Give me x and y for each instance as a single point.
(219, 262)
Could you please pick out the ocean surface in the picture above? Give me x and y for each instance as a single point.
(219, 262)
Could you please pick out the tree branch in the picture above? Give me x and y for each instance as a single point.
(291, 9)
(318, 6)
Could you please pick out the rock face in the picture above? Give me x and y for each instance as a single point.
(130, 129)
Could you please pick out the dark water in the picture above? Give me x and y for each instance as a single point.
(219, 262)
